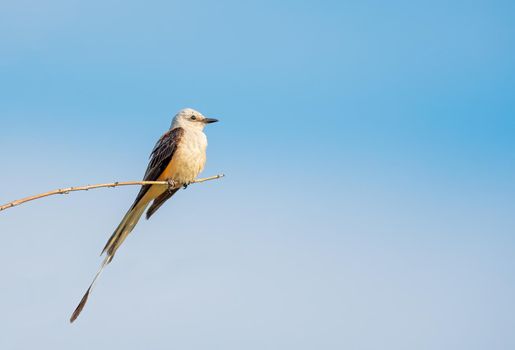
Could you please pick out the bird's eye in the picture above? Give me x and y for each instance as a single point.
(193, 117)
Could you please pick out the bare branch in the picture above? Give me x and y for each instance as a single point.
(89, 187)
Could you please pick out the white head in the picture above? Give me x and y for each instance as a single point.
(189, 118)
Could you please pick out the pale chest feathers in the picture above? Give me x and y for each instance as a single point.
(189, 157)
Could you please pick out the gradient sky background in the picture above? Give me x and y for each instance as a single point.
(369, 148)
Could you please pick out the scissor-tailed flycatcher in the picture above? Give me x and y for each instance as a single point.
(178, 157)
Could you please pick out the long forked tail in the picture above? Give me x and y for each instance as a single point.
(122, 231)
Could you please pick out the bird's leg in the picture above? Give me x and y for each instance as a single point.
(185, 186)
(171, 185)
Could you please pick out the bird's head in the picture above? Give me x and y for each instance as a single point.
(189, 118)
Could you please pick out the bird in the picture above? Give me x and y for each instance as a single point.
(177, 157)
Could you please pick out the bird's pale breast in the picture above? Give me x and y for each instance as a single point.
(189, 158)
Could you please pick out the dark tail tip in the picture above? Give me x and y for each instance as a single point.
(79, 307)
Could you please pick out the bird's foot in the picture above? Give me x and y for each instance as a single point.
(171, 185)
(185, 186)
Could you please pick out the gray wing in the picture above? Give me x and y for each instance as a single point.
(160, 157)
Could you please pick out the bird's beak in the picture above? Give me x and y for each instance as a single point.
(209, 120)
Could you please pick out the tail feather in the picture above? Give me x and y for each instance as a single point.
(84, 299)
(159, 201)
(128, 223)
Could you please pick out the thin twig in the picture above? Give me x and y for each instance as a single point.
(89, 187)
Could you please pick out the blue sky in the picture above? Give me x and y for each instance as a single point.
(370, 165)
